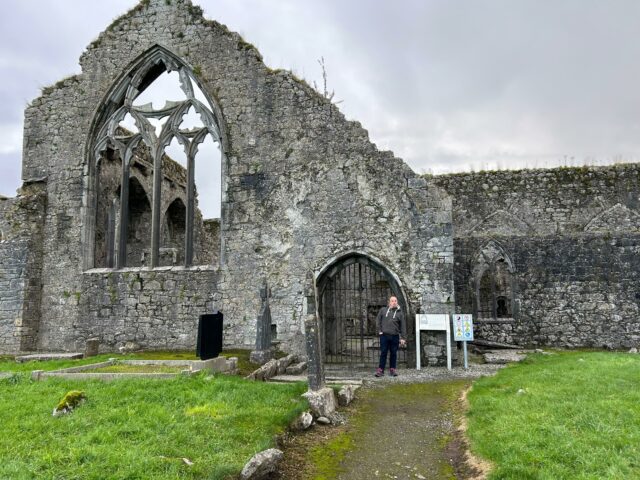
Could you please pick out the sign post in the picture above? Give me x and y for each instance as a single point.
(439, 321)
(463, 332)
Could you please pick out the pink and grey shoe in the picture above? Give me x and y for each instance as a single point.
(379, 372)
(392, 372)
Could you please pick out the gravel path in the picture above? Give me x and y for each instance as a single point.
(409, 375)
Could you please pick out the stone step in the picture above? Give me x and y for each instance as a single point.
(41, 357)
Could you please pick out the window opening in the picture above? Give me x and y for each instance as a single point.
(159, 143)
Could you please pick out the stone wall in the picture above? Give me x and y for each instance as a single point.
(545, 256)
(21, 221)
(571, 237)
(153, 309)
(301, 187)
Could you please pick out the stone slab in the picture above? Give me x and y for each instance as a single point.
(503, 356)
(41, 357)
(39, 375)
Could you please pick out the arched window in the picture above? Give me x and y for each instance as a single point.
(494, 283)
(140, 138)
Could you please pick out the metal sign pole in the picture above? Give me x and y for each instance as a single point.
(464, 348)
(418, 351)
(448, 333)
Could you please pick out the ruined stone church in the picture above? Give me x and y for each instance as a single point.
(105, 238)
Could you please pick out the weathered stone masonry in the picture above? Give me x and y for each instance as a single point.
(571, 237)
(21, 222)
(301, 186)
(543, 257)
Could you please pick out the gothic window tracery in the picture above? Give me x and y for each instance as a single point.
(137, 135)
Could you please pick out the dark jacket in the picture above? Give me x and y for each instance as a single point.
(391, 321)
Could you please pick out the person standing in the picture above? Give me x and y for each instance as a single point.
(393, 333)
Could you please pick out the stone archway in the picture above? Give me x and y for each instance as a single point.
(350, 292)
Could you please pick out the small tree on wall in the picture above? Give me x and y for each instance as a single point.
(325, 89)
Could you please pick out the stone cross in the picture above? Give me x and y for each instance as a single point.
(315, 366)
(263, 351)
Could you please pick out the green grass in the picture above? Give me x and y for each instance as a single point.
(8, 364)
(579, 417)
(125, 368)
(140, 428)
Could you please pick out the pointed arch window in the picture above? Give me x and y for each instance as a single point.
(139, 135)
(494, 283)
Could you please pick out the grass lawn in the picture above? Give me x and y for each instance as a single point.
(8, 364)
(140, 428)
(125, 368)
(578, 417)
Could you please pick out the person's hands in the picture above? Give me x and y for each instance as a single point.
(403, 342)
(381, 333)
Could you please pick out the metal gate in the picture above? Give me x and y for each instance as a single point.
(349, 305)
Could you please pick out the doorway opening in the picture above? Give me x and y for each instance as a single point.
(351, 291)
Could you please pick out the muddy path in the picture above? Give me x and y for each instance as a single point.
(397, 431)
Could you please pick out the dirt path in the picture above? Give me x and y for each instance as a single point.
(402, 432)
(397, 431)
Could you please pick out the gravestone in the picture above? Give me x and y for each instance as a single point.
(92, 347)
(322, 400)
(263, 352)
(315, 366)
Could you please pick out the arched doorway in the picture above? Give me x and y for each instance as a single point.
(351, 291)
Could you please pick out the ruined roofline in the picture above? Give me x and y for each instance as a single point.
(186, 7)
(583, 169)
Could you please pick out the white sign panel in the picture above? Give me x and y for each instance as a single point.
(463, 328)
(431, 321)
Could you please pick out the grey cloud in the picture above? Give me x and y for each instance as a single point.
(443, 84)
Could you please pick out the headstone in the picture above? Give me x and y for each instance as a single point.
(92, 347)
(315, 366)
(263, 352)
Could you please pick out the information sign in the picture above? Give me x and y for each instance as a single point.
(463, 328)
(463, 332)
(433, 321)
(429, 321)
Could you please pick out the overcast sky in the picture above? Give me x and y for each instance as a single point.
(447, 85)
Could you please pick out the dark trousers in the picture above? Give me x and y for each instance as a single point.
(389, 343)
